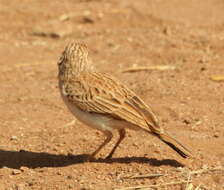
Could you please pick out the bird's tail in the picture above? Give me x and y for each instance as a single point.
(175, 145)
(151, 121)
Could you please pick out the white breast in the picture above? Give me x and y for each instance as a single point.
(93, 120)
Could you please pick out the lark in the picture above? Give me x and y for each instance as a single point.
(102, 102)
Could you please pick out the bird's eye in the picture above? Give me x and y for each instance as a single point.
(61, 60)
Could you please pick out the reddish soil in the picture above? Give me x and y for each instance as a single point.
(42, 149)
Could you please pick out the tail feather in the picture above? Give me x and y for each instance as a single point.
(175, 145)
(151, 120)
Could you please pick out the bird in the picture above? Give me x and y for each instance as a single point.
(102, 102)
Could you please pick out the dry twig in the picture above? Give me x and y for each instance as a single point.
(152, 186)
(201, 171)
(217, 78)
(155, 67)
(142, 176)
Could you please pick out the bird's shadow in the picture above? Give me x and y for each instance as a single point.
(16, 159)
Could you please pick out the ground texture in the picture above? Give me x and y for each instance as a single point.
(43, 147)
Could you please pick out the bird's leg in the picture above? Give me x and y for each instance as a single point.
(109, 136)
(122, 135)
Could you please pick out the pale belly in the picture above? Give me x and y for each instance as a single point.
(94, 120)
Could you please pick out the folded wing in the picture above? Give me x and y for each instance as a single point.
(102, 94)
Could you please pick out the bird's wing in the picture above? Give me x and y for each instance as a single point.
(102, 94)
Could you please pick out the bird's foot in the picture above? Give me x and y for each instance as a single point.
(109, 157)
(90, 158)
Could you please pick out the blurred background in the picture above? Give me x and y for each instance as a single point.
(171, 53)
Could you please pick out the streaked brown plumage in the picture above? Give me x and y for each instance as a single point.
(102, 102)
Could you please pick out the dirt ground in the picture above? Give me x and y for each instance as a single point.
(43, 147)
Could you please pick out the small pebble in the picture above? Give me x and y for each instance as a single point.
(13, 137)
(23, 168)
(16, 172)
(69, 177)
(20, 187)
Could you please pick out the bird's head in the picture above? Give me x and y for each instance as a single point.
(74, 59)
